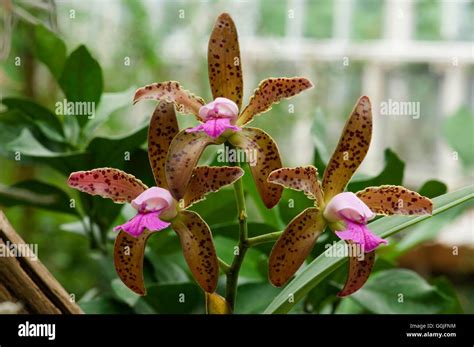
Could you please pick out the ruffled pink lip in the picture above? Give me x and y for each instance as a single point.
(360, 234)
(215, 127)
(142, 221)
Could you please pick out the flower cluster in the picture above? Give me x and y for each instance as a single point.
(174, 154)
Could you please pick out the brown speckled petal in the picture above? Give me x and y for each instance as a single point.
(183, 155)
(390, 200)
(267, 160)
(198, 248)
(294, 245)
(108, 183)
(128, 259)
(216, 304)
(162, 130)
(351, 149)
(207, 179)
(171, 91)
(223, 59)
(303, 178)
(269, 92)
(359, 271)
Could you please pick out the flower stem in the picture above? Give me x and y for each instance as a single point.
(223, 266)
(257, 240)
(239, 254)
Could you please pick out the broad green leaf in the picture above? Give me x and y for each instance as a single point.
(109, 103)
(392, 173)
(38, 194)
(401, 291)
(50, 50)
(458, 131)
(81, 80)
(175, 298)
(323, 265)
(105, 305)
(40, 117)
(254, 297)
(27, 144)
(122, 293)
(166, 270)
(433, 188)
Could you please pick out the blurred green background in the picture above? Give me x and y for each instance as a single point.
(418, 51)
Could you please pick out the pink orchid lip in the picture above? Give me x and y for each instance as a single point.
(347, 206)
(152, 200)
(219, 108)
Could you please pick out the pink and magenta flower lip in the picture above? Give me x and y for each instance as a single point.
(347, 207)
(218, 116)
(150, 205)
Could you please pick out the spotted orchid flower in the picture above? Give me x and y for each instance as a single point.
(158, 207)
(344, 212)
(223, 120)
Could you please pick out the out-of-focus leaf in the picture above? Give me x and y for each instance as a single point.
(254, 297)
(392, 174)
(175, 298)
(109, 103)
(433, 188)
(458, 130)
(166, 270)
(114, 151)
(123, 293)
(40, 117)
(218, 208)
(448, 290)
(401, 291)
(103, 305)
(322, 266)
(251, 270)
(81, 79)
(49, 49)
(38, 194)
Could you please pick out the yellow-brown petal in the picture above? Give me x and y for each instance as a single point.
(272, 91)
(183, 155)
(171, 91)
(216, 304)
(351, 149)
(294, 245)
(223, 60)
(266, 159)
(198, 248)
(108, 183)
(390, 200)
(207, 179)
(359, 271)
(162, 130)
(128, 260)
(304, 178)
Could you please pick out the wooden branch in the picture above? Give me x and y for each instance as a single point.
(26, 280)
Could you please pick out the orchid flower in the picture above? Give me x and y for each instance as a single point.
(344, 212)
(158, 207)
(220, 119)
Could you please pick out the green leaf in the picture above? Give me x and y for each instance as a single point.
(433, 188)
(322, 266)
(392, 173)
(122, 292)
(105, 305)
(458, 133)
(109, 103)
(49, 49)
(175, 298)
(38, 194)
(254, 297)
(400, 291)
(38, 116)
(81, 80)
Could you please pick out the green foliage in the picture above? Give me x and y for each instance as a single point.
(50, 50)
(458, 130)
